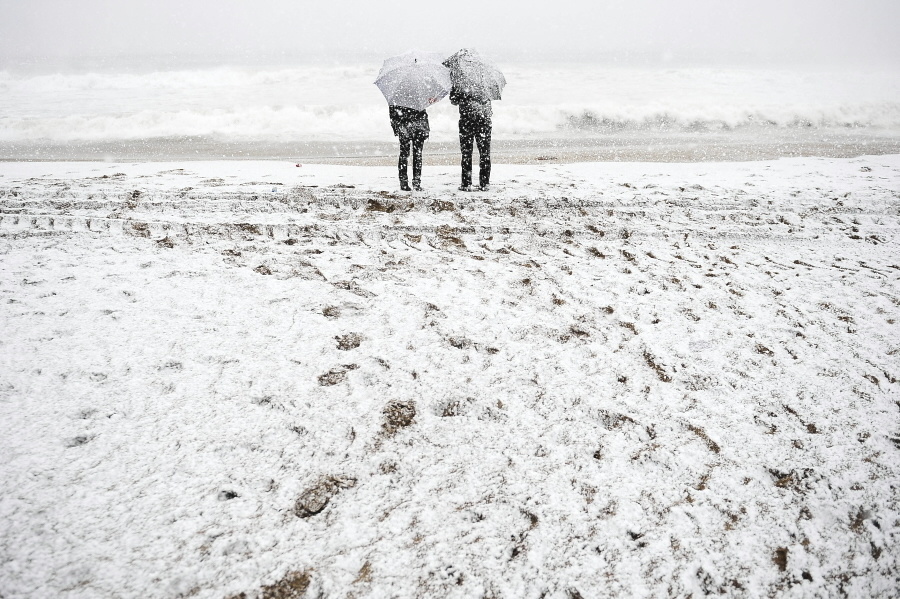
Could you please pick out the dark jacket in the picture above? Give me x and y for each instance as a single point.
(407, 122)
(472, 108)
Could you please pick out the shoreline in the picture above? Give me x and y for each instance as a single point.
(644, 147)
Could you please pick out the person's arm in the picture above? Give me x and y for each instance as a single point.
(395, 118)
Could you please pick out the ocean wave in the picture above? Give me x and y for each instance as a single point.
(883, 116)
(320, 103)
(286, 123)
(362, 122)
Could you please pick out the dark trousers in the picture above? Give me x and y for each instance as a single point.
(417, 144)
(479, 131)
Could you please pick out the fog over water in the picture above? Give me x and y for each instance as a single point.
(820, 31)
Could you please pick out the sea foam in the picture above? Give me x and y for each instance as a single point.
(340, 103)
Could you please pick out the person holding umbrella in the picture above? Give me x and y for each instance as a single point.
(410, 83)
(475, 82)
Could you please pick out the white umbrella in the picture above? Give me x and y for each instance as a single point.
(415, 80)
(474, 75)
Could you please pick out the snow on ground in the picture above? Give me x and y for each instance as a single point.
(243, 379)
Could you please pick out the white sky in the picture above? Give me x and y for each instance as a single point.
(782, 30)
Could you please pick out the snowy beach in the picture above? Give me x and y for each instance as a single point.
(255, 379)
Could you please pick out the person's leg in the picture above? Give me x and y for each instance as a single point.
(418, 144)
(403, 161)
(483, 138)
(466, 137)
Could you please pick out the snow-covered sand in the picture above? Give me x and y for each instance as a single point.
(241, 379)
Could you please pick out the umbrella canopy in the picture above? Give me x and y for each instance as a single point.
(415, 80)
(474, 75)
